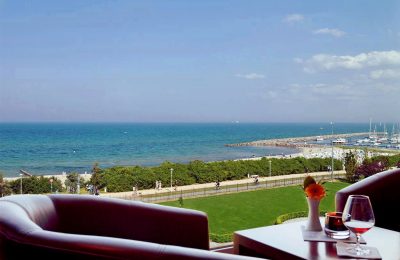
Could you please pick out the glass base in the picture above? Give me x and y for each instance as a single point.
(337, 234)
(358, 250)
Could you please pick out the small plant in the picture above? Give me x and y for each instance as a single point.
(180, 200)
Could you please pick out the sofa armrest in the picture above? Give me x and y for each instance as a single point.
(384, 193)
(99, 216)
(54, 245)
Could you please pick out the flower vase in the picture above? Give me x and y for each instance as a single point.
(313, 223)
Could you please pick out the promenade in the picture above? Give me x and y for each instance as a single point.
(225, 187)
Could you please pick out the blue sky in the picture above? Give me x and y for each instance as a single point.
(200, 61)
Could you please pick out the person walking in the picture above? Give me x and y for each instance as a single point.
(217, 185)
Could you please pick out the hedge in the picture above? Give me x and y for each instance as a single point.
(125, 178)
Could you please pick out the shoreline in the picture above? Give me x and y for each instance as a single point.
(306, 150)
(61, 177)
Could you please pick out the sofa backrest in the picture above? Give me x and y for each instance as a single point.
(92, 215)
(89, 227)
(383, 190)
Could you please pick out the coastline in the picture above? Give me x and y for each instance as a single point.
(61, 177)
(306, 150)
(48, 148)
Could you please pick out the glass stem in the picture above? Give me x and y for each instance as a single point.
(358, 248)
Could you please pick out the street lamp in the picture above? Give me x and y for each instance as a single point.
(20, 185)
(51, 185)
(171, 177)
(78, 186)
(332, 152)
(23, 173)
(269, 168)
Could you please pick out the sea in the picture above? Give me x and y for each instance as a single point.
(54, 148)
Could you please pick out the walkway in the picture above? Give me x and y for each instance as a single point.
(209, 189)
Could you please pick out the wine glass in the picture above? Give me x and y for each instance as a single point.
(358, 217)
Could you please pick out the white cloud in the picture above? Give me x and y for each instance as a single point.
(385, 74)
(334, 32)
(250, 76)
(387, 88)
(321, 62)
(293, 18)
(298, 60)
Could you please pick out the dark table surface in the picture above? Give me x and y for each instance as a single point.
(285, 241)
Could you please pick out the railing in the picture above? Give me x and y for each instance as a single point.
(180, 193)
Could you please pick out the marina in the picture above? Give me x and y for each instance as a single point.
(377, 140)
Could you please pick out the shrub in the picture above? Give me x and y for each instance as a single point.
(370, 168)
(221, 238)
(300, 214)
(35, 185)
(124, 178)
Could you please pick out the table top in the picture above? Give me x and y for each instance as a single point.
(285, 241)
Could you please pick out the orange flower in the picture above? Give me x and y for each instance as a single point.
(315, 191)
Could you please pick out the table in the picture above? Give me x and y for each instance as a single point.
(285, 241)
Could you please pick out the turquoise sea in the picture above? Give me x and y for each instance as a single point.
(51, 148)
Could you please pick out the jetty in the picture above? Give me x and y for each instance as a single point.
(295, 142)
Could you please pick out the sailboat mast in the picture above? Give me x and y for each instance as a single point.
(370, 122)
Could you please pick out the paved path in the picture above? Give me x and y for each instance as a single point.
(192, 187)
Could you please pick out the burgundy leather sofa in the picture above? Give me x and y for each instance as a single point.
(91, 227)
(383, 190)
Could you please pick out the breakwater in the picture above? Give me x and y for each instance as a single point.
(296, 141)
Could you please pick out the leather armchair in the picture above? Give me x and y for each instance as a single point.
(383, 190)
(90, 227)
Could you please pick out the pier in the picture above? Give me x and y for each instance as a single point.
(295, 141)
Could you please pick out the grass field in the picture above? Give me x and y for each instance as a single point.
(228, 213)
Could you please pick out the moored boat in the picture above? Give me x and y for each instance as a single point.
(339, 141)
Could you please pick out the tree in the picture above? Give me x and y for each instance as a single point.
(4, 187)
(350, 164)
(97, 178)
(71, 182)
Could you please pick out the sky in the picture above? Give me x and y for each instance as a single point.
(199, 61)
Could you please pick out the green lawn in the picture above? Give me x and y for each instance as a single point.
(228, 213)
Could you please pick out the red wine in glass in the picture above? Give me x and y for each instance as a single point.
(359, 226)
(358, 217)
